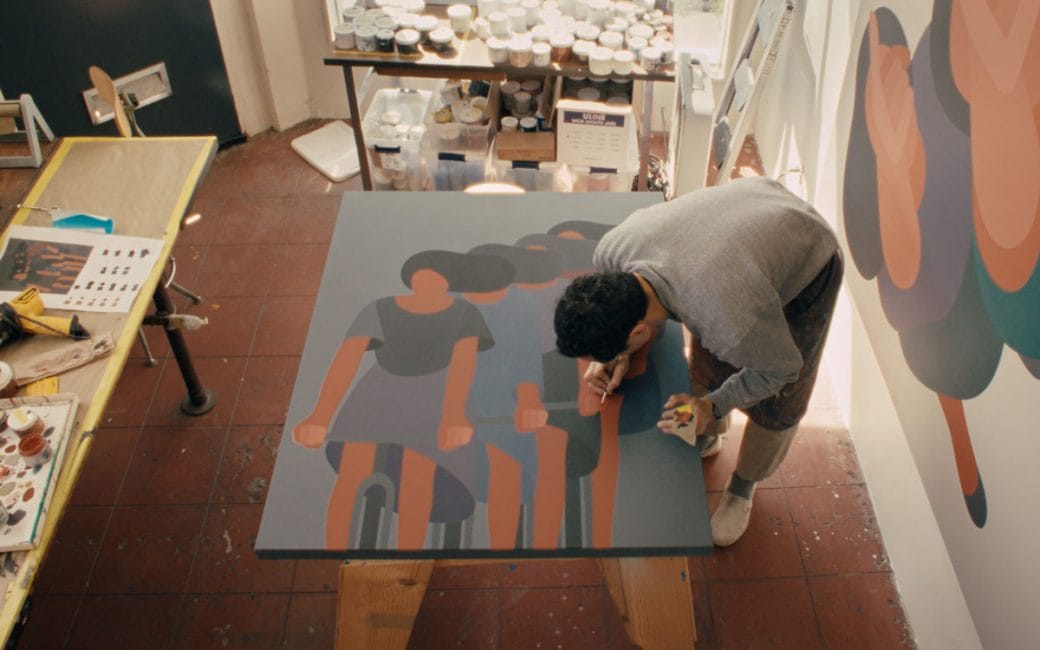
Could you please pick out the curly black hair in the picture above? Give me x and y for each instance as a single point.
(596, 313)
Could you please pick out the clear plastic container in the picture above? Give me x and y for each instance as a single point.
(576, 178)
(394, 160)
(532, 176)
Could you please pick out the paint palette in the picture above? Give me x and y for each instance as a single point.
(26, 487)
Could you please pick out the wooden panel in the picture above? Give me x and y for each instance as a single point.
(378, 602)
(653, 596)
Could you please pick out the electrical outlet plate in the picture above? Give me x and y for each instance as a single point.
(149, 85)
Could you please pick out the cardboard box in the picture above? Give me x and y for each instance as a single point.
(536, 147)
(539, 146)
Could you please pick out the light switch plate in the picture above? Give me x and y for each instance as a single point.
(149, 85)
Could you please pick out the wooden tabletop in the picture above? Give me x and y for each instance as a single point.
(145, 185)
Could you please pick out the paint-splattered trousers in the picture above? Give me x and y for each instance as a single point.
(773, 422)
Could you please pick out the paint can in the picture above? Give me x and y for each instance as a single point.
(8, 387)
(25, 422)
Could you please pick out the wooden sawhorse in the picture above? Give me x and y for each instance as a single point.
(379, 599)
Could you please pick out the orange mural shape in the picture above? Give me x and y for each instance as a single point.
(995, 58)
(892, 127)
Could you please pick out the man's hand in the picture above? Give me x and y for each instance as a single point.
(702, 415)
(606, 377)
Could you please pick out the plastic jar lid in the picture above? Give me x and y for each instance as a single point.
(616, 25)
(540, 49)
(496, 44)
(520, 44)
(601, 54)
(561, 40)
(637, 43)
(587, 32)
(624, 56)
(613, 40)
(426, 23)
(408, 21)
(589, 94)
(364, 20)
(460, 11)
(528, 124)
(442, 35)
(651, 54)
(366, 31)
(583, 48)
(641, 31)
(541, 33)
(407, 37)
(387, 22)
(509, 123)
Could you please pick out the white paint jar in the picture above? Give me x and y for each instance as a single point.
(517, 19)
(586, 31)
(442, 39)
(459, 16)
(365, 38)
(566, 7)
(561, 45)
(482, 28)
(581, 50)
(666, 48)
(407, 41)
(601, 61)
(611, 40)
(350, 13)
(498, 50)
(541, 54)
(636, 45)
(487, 7)
(531, 8)
(499, 23)
(650, 58)
(520, 55)
(345, 36)
(599, 12)
(623, 60)
(580, 9)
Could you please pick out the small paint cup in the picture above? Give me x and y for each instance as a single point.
(499, 23)
(650, 58)
(612, 40)
(385, 40)
(482, 28)
(517, 19)
(25, 422)
(561, 44)
(581, 51)
(508, 124)
(424, 26)
(520, 55)
(8, 386)
(623, 60)
(541, 55)
(601, 61)
(407, 41)
(442, 39)
(350, 14)
(345, 36)
(487, 7)
(35, 450)
(531, 8)
(528, 125)
(459, 16)
(498, 50)
(365, 38)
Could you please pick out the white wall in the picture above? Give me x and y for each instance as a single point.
(273, 51)
(963, 586)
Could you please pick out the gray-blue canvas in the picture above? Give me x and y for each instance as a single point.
(389, 413)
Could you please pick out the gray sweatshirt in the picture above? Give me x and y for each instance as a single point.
(724, 261)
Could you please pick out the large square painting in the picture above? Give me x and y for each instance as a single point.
(432, 415)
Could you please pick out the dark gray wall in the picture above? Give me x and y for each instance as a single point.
(47, 46)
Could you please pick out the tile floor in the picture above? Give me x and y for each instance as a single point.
(156, 548)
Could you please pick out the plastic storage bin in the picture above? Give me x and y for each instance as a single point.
(453, 170)
(532, 176)
(575, 178)
(393, 127)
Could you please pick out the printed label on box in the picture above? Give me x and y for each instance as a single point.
(593, 134)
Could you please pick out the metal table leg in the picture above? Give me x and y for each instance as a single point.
(355, 121)
(200, 400)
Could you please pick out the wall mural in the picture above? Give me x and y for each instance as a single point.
(942, 198)
(437, 414)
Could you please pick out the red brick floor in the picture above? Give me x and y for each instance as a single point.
(156, 550)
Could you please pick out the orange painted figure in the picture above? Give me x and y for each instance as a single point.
(426, 344)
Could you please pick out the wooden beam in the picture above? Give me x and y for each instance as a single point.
(378, 601)
(654, 599)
